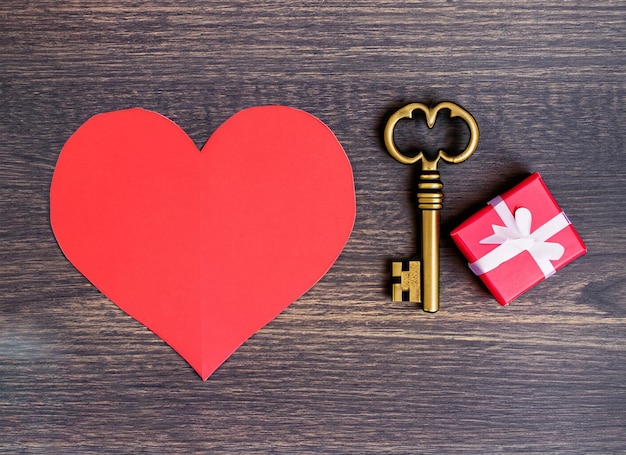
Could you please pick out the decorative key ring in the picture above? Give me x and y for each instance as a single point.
(420, 281)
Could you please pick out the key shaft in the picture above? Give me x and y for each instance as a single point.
(429, 201)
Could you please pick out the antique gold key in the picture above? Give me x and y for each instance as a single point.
(422, 280)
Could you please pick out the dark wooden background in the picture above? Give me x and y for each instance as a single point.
(342, 370)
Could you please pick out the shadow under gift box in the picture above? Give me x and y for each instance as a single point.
(521, 238)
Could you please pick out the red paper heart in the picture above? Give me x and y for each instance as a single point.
(203, 248)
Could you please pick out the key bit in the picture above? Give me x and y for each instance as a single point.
(424, 278)
(408, 288)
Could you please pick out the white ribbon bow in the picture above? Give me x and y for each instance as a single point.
(515, 237)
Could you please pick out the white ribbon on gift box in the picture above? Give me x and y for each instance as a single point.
(515, 237)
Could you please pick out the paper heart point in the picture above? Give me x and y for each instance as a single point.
(203, 247)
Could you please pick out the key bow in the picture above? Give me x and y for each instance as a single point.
(431, 117)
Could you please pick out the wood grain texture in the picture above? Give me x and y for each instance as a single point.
(342, 370)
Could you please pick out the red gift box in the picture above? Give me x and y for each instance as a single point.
(521, 238)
